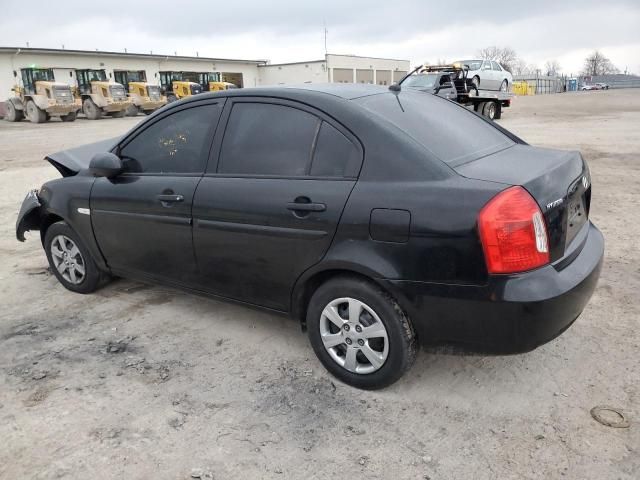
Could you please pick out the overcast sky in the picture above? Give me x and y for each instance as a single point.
(292, 30)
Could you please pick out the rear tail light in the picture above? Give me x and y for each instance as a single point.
(513, 232)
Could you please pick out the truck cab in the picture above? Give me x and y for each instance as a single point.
(178, 85)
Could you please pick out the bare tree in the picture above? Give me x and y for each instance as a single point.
(505, 56)
(552, 68)
(598, 64)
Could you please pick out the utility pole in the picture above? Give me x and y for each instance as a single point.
(325, 37)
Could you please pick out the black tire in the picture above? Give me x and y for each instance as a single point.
(119, 114)
(34, 114)
(132, 111)
(479, 107)
(13, 114)
(148, 112)
(93, 278)
(402, 344)
(91, 110)
(69, 117)
(489, 110)
(171, 98)
(504, 86)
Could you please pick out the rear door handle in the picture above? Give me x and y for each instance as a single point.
(307, 207)
(170, 198)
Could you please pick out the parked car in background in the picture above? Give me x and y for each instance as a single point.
(589, 86)
(488, 75)
(376, 217)
(603, 86)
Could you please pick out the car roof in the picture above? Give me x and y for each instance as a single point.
(347, 91)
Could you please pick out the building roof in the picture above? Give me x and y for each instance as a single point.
(102, 53)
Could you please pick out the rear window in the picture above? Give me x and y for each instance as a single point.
(453, 134)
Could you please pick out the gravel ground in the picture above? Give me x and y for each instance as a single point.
(144, 382)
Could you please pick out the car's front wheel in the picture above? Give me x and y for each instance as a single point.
(70, 261)
(360, 333)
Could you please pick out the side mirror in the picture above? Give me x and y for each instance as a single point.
(105, 165)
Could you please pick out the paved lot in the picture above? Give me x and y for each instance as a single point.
(142, 382)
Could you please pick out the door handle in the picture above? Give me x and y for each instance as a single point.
(306, 207)
(170, 198)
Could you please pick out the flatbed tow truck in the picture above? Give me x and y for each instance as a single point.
(451, 82)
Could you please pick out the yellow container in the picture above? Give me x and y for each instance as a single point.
(522, 88)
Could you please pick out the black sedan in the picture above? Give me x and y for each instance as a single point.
(377, 218)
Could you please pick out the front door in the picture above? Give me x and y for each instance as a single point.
(142, 218)
(270, 210)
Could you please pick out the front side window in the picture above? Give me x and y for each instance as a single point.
(178, 143)
(268, 139)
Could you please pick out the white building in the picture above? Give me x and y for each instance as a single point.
(244, 73)
(335, 68)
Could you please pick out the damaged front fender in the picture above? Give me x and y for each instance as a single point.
(29, 217)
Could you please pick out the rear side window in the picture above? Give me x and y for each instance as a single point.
(450, 132)
(496, 66)
(178, 143)
(268, 139)
(335, 155)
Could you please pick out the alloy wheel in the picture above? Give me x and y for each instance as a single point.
(67, 259)
(354, 336)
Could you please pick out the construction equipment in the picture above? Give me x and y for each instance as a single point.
(40, 97)
(211, 82)
(177, 85)
(99, 95)
(215, 86)
(146, 98)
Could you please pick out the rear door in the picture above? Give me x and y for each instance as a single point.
(142, 218)
(271, 207)
(487, 76)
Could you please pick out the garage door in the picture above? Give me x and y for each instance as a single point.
(342, 75)
(235, 78)
(383, 77)
(398, 75)
(364, 76)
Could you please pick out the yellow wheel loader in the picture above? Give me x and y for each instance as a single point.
(145, 98)
(215, 86)
(40, 97)
(100, 96)
(177, 85)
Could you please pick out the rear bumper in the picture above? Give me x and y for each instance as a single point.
(511, 313)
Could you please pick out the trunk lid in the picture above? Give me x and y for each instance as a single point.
(558, 180)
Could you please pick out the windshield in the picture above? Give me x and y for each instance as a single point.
(473, 64)
(45, 75)
(420, 81)
(451, 132)
(97, 76)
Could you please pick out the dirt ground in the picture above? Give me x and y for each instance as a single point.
(142, 382)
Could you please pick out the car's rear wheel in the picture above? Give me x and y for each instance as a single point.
(70, 261)
(360, 333)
